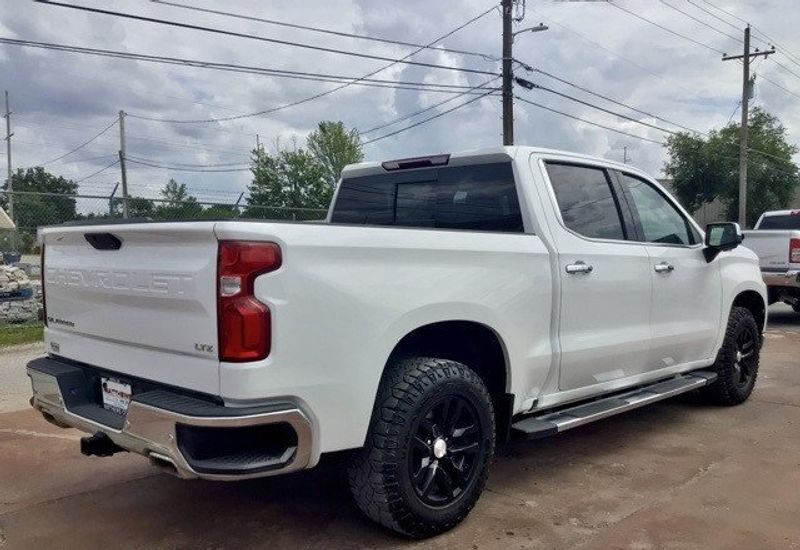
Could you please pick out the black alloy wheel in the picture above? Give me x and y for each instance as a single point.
(447, 441)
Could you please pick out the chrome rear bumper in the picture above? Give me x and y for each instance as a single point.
(157, 420)
(787, 279)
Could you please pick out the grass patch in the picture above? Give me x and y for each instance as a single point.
(12, 335)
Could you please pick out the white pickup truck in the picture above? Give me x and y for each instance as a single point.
(446, 304)
(776, 240)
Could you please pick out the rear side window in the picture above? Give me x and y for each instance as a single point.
(477, 197)
(587, 203)
(783, 221)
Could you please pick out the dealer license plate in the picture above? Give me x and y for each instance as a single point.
(116, 395)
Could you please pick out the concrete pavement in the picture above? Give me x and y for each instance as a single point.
(676, 475)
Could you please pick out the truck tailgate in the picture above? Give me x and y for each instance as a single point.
(772, 248)
(146, 308)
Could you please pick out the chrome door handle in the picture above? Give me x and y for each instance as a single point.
(664, 267)
(579, 267)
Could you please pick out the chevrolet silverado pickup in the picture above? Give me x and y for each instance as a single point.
(776, 240)
(447, 304)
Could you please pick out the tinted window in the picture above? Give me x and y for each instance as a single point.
(587, 204)
(784, 221)
(479, 197)
(661, 222)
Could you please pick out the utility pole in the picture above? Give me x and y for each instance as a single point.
(122, 164)
(10, 181)
(507, 7)
(625, 155)
(508, 84)
(747, 89)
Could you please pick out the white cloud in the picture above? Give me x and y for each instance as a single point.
(61, 99)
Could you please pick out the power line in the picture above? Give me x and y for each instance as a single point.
(82, 145)
(607, 98)
(787, 90)
(556, 111)
(183, 169)
(231, 67)
(326, 31)
(726, 12)
(530, 85)
(93, 174)
(659, 25)
(612, 52)
(698, 20)
(213, 30)
(714, 15)
(425, 110)
(423, 121)
(190, 165)
(768, 41)
(325, 92)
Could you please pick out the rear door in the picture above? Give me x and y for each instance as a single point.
(604, 328)
(136, 299)
(687, 291)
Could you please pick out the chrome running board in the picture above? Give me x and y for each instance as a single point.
(540, 425)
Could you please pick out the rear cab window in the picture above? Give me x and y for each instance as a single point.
(781, 222)
(479, 197)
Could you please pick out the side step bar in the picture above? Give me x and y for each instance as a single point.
(553, 422)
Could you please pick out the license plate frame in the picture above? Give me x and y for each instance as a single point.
(115, 395)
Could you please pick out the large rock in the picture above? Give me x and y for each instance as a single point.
(19, 311)
(20, 300)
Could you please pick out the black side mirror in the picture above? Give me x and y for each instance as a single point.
(721, 236)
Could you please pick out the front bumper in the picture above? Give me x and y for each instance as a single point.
(785, 279)
(190, 436)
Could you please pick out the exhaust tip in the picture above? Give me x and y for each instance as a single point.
(99, 444)
(163, 462)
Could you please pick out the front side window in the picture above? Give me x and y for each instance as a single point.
(660, 220)
(587, 203)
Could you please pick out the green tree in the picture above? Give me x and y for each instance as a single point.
(32, 211)
(177, 203)
(219, 212)
(290, 178)
(706, 169)
(334, 147)
(301, 178)
(138, 207)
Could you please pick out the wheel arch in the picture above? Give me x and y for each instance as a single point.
(754, 302)
(475, 344)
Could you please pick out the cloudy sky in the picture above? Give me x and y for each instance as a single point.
(60, 100)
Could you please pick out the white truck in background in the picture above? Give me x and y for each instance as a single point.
(776, 240)
(447, 303)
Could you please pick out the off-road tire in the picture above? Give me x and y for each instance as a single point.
(380, 475)
(731, 387)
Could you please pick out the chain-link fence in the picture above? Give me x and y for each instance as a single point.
(20, 288)
(35, 209)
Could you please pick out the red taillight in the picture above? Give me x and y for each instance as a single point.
(244, 323)
(794, 251)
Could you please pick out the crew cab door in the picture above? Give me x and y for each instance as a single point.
(687, 293)
(605, 279)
